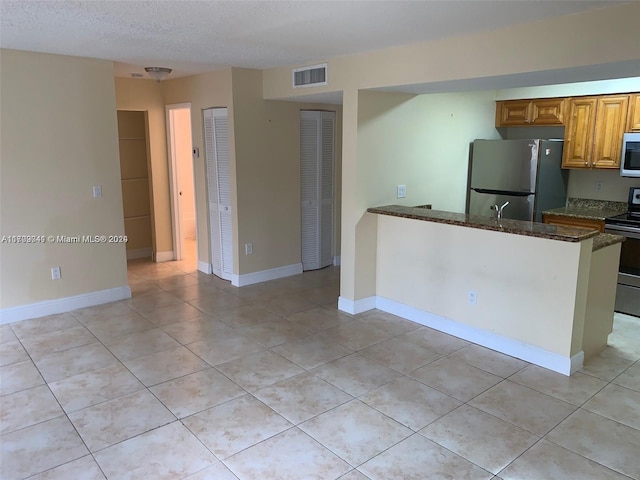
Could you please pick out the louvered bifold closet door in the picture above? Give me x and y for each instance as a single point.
(216, 128)
(221, 129)
(212, 193)
(326, 188)
(309, 189)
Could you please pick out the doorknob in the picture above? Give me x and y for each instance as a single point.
(180, 193)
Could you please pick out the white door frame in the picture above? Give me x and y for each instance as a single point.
(174, 186)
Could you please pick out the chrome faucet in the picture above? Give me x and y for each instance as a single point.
(499, 209)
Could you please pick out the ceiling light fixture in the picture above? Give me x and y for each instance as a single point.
(158, 73)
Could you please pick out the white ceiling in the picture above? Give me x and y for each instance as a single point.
(198, 36)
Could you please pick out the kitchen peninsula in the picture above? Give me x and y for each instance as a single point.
(542, 293)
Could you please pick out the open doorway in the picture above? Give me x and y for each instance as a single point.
(182, 185)
(136, 183)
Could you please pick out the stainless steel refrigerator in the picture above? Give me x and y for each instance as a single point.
(526, 173)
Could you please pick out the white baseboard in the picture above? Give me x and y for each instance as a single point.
(266, 275)
(204, 267)
(356, 306)
(164, 256)
(515, 348)
(61, 305)
(336, 261)
(139, 253)
(577, 362)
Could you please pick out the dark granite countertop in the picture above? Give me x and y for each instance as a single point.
(517, 227)
(606, 239)
(589, 209)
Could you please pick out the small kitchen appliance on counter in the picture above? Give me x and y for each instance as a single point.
(628, 225)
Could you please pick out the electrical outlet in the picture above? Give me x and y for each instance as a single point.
(55, 273)
(402, 191)
(473, 297)
(248, 248)
(599, 186)
(97, 191)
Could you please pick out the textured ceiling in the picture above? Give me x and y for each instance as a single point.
(198, 36)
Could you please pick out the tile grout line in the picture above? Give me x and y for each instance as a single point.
(359, 352)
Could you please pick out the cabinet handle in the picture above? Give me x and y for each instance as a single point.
(586, 163)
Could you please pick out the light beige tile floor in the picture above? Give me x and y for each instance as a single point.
(195, 379)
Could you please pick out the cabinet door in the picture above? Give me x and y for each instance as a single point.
(633, 120)
(574, 222)
(548, 111)
(611, 117)
(513, 113)
(578, 137)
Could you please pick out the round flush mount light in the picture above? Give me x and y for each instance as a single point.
(158, 73)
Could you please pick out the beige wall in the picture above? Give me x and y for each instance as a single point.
(419, 141)
(204, 91)
(50, 84)
(268, 173)
(595, 37)
(601, 299)
(264, 153)
(268, 207)
(528, 289)
(146, 95)
(353, 201)
(614, 187)
(59, 138)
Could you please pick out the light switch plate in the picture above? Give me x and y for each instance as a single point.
(97, 191)
(473, 297)
(402, 191)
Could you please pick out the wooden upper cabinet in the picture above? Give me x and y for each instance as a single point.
(513, 113)
(633, 120)
(547, 111)
(593, 136)
(524, 113)
(611, 117)
(578, 135)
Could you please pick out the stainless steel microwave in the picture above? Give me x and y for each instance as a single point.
(630, 160)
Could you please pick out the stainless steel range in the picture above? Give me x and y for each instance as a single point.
(628, 225)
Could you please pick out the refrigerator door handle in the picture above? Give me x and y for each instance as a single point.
(501, 192)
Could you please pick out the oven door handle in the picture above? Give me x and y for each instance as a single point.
(621, 230)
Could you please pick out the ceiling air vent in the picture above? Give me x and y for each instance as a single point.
(310, 76)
